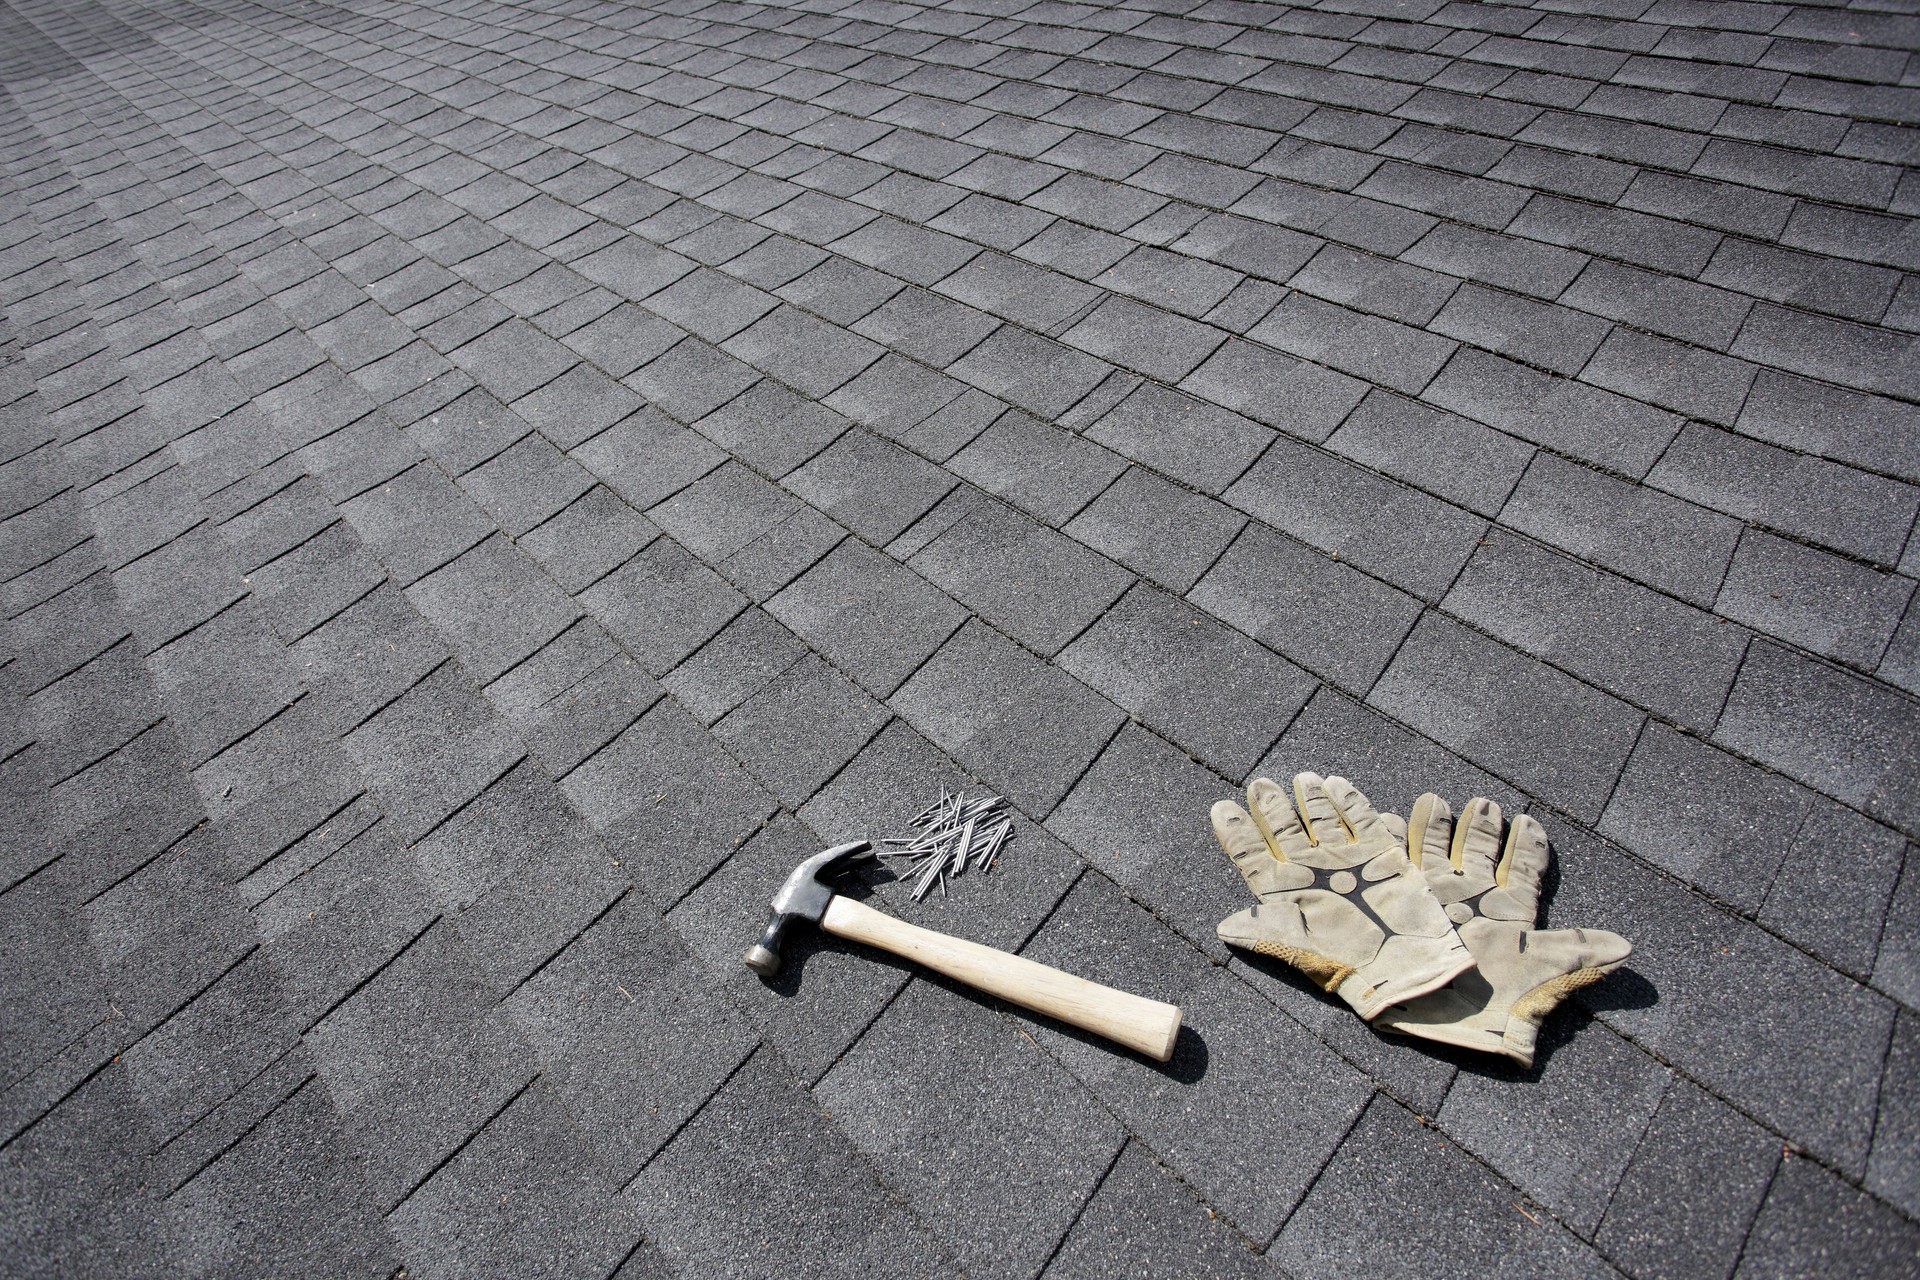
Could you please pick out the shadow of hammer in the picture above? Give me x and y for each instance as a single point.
(1148, 1026)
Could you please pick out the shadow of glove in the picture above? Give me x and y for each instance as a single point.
(1492, 894)
(1339, 898)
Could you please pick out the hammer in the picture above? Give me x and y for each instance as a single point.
(1134, 1021)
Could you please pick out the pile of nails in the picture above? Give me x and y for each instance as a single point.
(951, 836)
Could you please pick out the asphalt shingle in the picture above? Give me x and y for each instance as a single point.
(1017, 723)
(481, 497)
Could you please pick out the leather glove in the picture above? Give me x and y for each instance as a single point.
(1339, 898)
(1492, 894)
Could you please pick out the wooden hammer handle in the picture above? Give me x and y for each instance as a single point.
(1134, 1021)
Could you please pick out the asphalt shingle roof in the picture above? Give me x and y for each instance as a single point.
(485, 487)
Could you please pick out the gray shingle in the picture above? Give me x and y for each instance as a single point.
(1035, 373)
(1171, 280)
(298, 1141)
(782, 554)
(573, 696)
(314, 581)
(894, 395)
(1858, 356)
(1213, 691)
(1655, 243)
(925, 326)
(662, 605)
(1475, 1228)
(223, 679)
(1550, 336)
(1237, 1157)
(1706, 816)
(1041, 586)
(1145, 339)
(1401, 292)
(1315, 611)
(771, 427)
(1569, 1144)
(871, 485)
(1412, 540)
(467, 431)
(513, 359)
(1812, 1221)
(1021, 726)
(733, 666)
(516, 1196)
(840, 290)
(1524, 266)
(1035, 1178)
(1818, 601)
(691, 379)
(1637, 531)
(1378, 350)
(797, 730)
(1824, 502)
(1562, 740)
(623, 339)
(1853, 290)
(1155, 528)
(760, 1170)
(576, 405)
(593, 536)
(1299, 398)
(1831, 894)
(1687, 1198)
(493, 606)
(416, 522)
(669, 802)
(1592, 425)
(647, 457)
(1031, 296)
(1336, 735)
(526, 484)
(367, 1046)
(711, 305)
(1847, 426)
(1454, 457)
(1696, 313)
(1142, 1211)
(806, 353)
(1685, 379)
(1837, 732)
(722, 512)
(1178, 436)
(1718, 977)
(1674, 660)
(1047, 472)
(1891, 1172)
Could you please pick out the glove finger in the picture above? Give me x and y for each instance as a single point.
(1279, 820)
(1476, 839)
(1323, 819)
(1246, 846)
(1395, 825)
(1430, 835)
(1524, 862)
(1357, 811)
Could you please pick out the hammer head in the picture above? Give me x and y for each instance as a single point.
(802, 897)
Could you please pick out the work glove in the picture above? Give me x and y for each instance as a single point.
(1339, 898)
(1492, 894)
